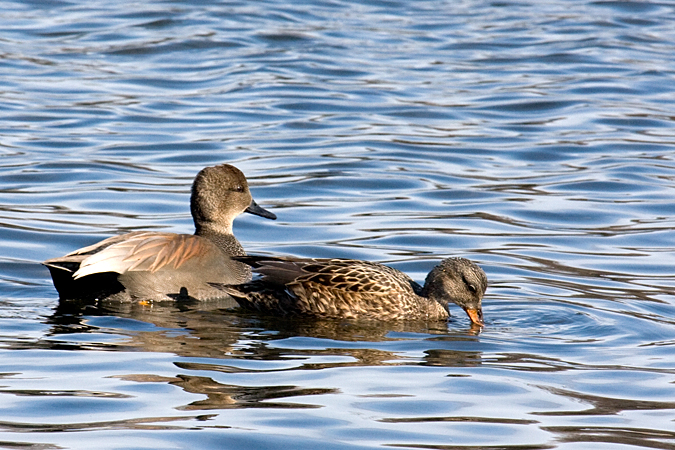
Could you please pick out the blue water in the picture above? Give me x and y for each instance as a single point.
(535, 138)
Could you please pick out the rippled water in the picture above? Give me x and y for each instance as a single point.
(536, 138)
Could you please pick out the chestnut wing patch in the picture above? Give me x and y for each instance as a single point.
(146, 251)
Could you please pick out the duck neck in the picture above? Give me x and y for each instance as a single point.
(221, 236)
(437, 306)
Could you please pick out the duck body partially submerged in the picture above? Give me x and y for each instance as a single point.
(346, 288)
(158, 266)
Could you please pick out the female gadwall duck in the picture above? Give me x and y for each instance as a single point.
(148, 265)
(345, 288)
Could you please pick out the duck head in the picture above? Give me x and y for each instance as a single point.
(458, 281)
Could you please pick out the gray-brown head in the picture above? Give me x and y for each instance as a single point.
(459, 281)
(219, 194)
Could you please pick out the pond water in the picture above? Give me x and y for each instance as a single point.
(535, 138)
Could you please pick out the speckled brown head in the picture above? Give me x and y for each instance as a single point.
(459, 281)
(219, 194)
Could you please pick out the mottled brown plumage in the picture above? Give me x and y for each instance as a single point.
(148, 265)
(345, 288)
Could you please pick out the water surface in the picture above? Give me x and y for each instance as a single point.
(535, 138)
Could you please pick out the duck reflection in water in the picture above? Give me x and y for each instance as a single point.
(209, 339)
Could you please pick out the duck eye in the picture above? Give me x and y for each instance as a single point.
(470, 286)
(239, 188)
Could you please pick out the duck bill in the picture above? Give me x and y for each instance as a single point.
(253, 208)
(476, 315)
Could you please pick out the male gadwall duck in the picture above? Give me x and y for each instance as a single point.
(345, 288)
(155, 266)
